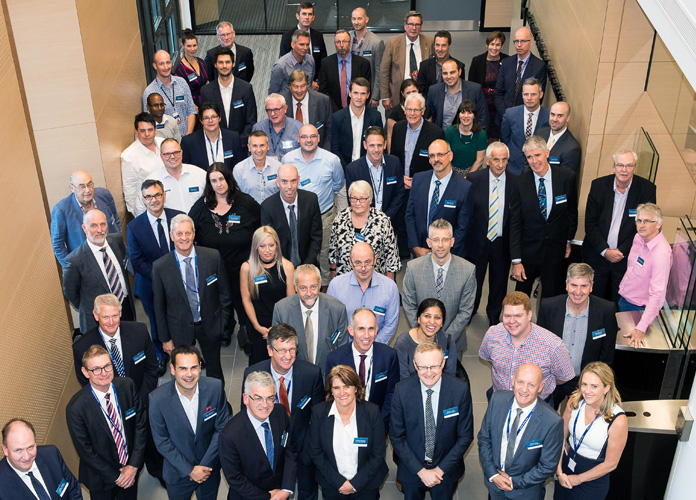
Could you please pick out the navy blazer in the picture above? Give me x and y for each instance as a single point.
(243, 63)
(392, 182)
(194, 147)
(144, 249)
(342, 132)
(372, 469)
(307, 391)
(173, 435)
(532, 464)
(419, 162)
(505, 85)
(453, 435)
(243, 113)
(383, 374)
(455, 206)
(427, 73)
(138, 354)
(512, 134)
(565, 152)
(330, 80)
(53, 471)
(470, 90)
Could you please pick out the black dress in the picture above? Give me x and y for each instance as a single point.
(270, 292)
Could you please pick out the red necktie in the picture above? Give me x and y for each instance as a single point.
(298, 114)
(361, 369)
(344, 79)
(283, 396)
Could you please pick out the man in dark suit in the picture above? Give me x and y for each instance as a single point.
(107, 424)
(344, 138)
(489, 228)
(340, 69)
(187, 416)
(27, 469)
(531, 453)
(376, 364)
(211, 144)
(443, 109)
(543, 220)
(516, 70)
(321, 321)
(305, 17)
(563, 147)
(300, 388)
(257, 453)
(244, 57)
(382, 171)
(301, 244)
(432, 427)
(439, 194)
(146, 244)
(430, 69)
(98, 266)
(309, 106)
(521, 122)
(238, 108)
(192, 296)
(565, 314)
(610, 217)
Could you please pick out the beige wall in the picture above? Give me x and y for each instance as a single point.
(498, 13)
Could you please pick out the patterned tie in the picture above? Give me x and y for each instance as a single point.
(542, 197)
(413, 63)
(38, 487)
(492, 232)
(191, 289)
(269, 442)
(309, 337)
(361, 369)
(439, 282)
(298, 113)
(164, 248)
(429, 425)
(512, 440)
(283, 395)
(294, 245)
(112, 276)
(114, 423)
(528, 128)
(344, 83)
(518, 81)
(434, 202)
(117, 357)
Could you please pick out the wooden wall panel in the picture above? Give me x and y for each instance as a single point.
(498, 13)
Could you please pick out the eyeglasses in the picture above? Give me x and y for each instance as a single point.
(98, 370)
(226, 35)
(621, 166)
(82, 187)
(644, 221)
(258, 399)
(413, 25)
(210, 118)
(366, 264)
(428, 368)
(438, 155)
(358, 200)
(413, 110)
(150, 197)
(273, 110)
(157, 106)
(520, 42)
(305, 137)
(437, 241)
(283, 352)
(171, 155)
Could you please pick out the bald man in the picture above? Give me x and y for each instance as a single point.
(564, 149)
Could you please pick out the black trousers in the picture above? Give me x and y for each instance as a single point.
(607, 277)
(494, 257)
(210, 349)
(550, 266)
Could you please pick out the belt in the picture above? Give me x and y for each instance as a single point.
(428, 463)
(197, 323)
(329, 210)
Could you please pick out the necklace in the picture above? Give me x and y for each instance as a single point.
(461, 137)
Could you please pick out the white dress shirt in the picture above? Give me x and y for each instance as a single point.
(501, 197)
(286, 207)
(443, 185)
(369, 361)
(260, 431)
(304, 104)
(520, 430)
(525, 117)
(344, 447)
(27, 480)
(287, 382)
(214, 149)
(549, 189)
(182, 193)
(226, 94)
(165, 226)
(97, 251)
(101, 396)
(616, 216)
(417, 50)
(190, 407)
(434, 399)
(356, 124)
(137, 163)
(107, 343)
(315, 324)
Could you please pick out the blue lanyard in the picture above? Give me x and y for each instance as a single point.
(519, 429)
(217, 146)
(182, 278)
(287, 392)
(524, 66)
(118, 409)
(377, 186)
(576, 444)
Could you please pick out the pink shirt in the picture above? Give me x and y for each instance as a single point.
(647, 272)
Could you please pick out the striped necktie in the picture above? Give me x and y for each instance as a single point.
(492, 232)
(114, 423)
(112, 276)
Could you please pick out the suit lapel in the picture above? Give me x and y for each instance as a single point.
(529, 430)
(218, 96)
(149, 235)
(312, 105)
(363, 430)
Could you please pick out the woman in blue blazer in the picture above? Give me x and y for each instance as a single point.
(347, 442)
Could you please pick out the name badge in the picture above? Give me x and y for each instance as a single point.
(130, 413)
(139, 357)
(284, 439)
(632, 212)
(228, 154)
(194, 189)
(380, 310)
(450, 412)
(272, 177)
(177, 117)
(301, 405)
(334, 336)
(640, 261)
(319, 125)
(286, 144)
(62, 487)
(367, 53)
(211, 279)
(241, 67)
(179, 98)
(560, 199)
(598, 334)
(160, 126)
(450, 204)
(359, 237)
(260, 279)
(555, 160)
(238, 104)
(380, 377)
(209, 414)
(234, 219)
(305, 182)
(446, 354)
(316, 49)
(423, 152)
(192, 77)
(360, 442)
(533, 445)
(391, 180)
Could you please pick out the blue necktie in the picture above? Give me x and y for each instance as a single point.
(542, 197)
(269, 442)
(434, 202)
(164, 248)
(40, 490)
(191, 289)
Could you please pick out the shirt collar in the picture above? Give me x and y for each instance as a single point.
(255, 422)
(583, 314)
(333, 412)
(352, 280)
(276, 375)
(435, 388)
(153, 219)
(116, 336)
(444, 266)
(96, 248)
(347, 58)
(34, 469)
(627, 189)
(314, 308)
(546, 176)
(369, 163)
(358, 353)
(492, 177)
(525, 411)
(526, 58)
(182, 257)
(195, 394)
(417, 130)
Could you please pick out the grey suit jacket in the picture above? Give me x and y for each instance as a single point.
(332, 331)
(319, 114)
(458, 293)
(372, 49)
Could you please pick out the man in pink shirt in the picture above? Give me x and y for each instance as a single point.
(644, 285)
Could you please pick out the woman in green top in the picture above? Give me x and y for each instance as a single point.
(467, 139)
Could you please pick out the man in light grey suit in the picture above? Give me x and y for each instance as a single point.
(321, 321)
(309, 106)
(368, 45)
(458, 284)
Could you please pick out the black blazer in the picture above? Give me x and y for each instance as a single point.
(478, 224)
(319, 114)
(372, 469)
(598, 211)
(427, 73)
(92, 438)
(530, 234)
(419, 162)
(244, 462)
(172, 312)
(477, 68)
(330, 79)
(342, 132)
(505, 85)
(565, 152)
(243, 63)
(138, 354)
(243, 114)
(309, 230)
(601, 326)
(194, 147)
(317, 47)
(392, 182)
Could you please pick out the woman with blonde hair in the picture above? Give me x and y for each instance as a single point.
(265, 278)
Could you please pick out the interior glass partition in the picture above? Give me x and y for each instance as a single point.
(648, 157)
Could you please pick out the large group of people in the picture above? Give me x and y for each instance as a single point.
(294, 228)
